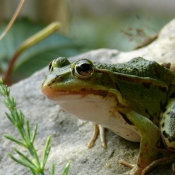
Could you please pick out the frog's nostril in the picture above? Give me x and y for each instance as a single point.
(51, 79)
(57, 77)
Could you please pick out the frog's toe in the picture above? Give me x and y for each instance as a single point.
(161, 161)
(135, 170)
(98, 130)
(126, 163)
(173, 168)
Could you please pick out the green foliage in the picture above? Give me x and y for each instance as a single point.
(31, 160)
(66, 169)
(37, 56)
(123, 31)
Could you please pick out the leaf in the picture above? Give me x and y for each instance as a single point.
(38, 55)
(66, 168)
(42, 53)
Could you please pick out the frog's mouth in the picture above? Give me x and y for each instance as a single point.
(59, 95)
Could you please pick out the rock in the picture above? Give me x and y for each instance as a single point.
(70, 135)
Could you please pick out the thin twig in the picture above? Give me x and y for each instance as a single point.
(12, 19)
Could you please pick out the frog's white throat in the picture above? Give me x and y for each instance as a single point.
(101, 110)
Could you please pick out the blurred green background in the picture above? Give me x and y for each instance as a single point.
(86, 25)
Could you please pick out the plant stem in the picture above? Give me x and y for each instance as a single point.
(51, 28)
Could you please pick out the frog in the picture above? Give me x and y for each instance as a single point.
(134, 99)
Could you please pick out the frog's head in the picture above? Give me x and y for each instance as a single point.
(79, 78)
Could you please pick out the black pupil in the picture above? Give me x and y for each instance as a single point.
(84, 69)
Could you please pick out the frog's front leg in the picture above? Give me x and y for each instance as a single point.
(167, 127)
(98, 130)
(150, 136)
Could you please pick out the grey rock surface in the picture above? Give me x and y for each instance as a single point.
(70, 135)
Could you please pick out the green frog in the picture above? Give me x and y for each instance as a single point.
(136, 100)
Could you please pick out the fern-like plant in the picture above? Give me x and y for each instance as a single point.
(16, 117)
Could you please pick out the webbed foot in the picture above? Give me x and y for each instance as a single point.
(135, 170)
(138, 171)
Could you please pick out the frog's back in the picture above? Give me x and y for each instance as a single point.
(145, 85)
(142, 68)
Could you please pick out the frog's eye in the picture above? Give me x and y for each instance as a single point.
(84, 68)
(58, 63)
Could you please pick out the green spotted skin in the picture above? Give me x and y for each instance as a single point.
(167, 125)
(143, 81)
